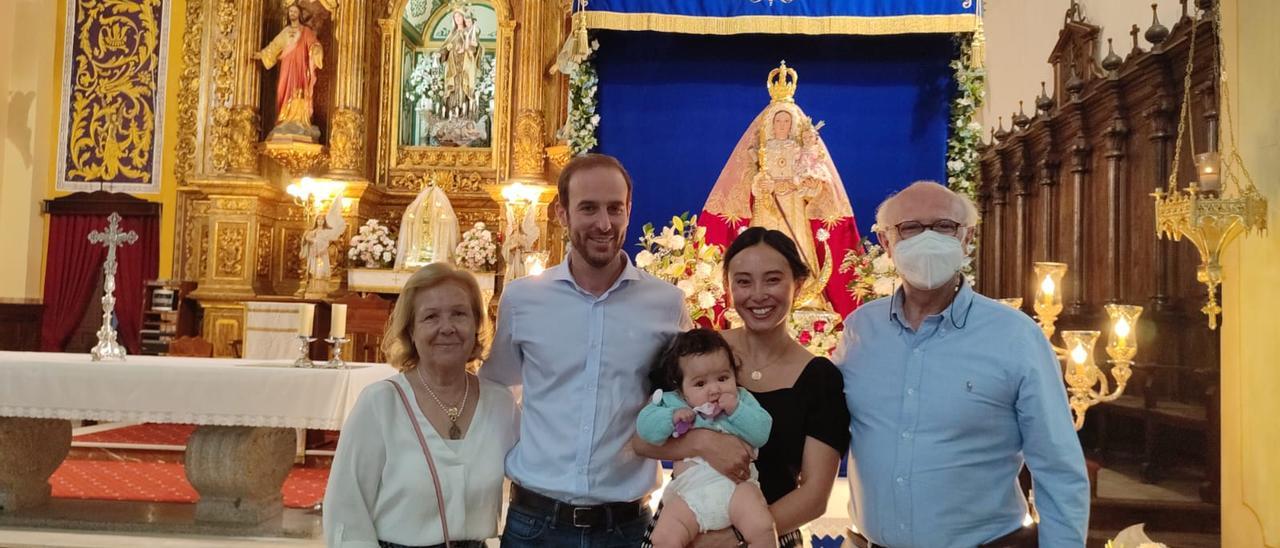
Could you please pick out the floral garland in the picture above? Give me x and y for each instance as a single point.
(373, 245)
(580, 129)
(966, 132)
(477, 251)
(874, 273)
(819, 338)
(681, 255)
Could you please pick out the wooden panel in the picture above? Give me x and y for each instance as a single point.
(1074, 185)
(20, 326)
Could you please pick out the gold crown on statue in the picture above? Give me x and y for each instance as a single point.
(782, 83)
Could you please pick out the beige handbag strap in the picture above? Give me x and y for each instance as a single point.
(435, 477)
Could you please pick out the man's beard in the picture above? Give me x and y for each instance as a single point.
(597, 260)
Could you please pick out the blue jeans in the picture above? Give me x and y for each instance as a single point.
(527, 529)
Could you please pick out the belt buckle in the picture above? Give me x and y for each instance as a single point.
(585, 512)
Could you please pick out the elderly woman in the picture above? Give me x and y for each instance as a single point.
(385, 488)
(803, 393)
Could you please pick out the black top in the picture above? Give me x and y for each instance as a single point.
(813, 407)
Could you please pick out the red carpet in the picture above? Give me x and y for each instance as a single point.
(161, 482)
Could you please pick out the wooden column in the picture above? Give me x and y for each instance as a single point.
(1117, 131)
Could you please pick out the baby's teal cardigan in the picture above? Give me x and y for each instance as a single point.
(749, 421)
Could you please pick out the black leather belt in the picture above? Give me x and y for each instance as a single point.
(599, 515)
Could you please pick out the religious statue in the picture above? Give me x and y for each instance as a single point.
(462, 56)
(315, 242)
(300, 55)
(428, 230)
(781, 176)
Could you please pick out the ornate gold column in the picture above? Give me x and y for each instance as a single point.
(347, 128)
(529, 156)
(236, 81)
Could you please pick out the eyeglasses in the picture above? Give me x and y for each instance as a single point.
(911, 229)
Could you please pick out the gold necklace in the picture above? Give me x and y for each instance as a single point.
(452, 412)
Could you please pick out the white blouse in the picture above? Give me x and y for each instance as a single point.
(380, 487)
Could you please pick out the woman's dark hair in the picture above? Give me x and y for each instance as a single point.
(775, 239)
(666, 374)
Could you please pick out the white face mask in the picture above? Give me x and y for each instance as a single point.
(929, 259)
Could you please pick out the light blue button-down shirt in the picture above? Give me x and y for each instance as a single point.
(943, 418)
(584, 363)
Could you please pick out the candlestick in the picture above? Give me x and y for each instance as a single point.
(336, 362)
(304, 352)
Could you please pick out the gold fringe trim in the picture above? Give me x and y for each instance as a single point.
(773, 24)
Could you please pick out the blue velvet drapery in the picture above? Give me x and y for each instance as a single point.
(672, 107)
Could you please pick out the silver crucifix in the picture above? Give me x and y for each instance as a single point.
(108, 348)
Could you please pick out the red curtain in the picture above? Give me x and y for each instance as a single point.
(73, 268)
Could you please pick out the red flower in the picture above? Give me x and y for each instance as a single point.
(820, 326)
(804, 338)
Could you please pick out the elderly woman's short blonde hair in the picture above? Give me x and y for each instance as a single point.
(397, 341)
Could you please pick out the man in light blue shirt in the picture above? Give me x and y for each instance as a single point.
(581, 338)
(950, 393)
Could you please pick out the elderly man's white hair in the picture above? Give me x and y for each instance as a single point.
(969, 211)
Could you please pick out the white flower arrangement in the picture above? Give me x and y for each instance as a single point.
(477, 251)
(966, 133)
(372, 246)
(680, 254)
(580, 129)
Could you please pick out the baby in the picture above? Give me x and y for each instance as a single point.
(811, 167)
(697, 388)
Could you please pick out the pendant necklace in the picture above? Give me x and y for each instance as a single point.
(452, 412)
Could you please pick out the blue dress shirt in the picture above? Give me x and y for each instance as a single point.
(943, 418)
(583, 361)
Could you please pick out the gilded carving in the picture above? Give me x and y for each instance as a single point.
(529, 151)
(449, 181)
(444, 157)
(233, 205)
(230, 250)
(189, 93)
(114, 85)
(242, 150)
(264, 251)
(346, 141)
(297, 158)
(291, 263)
(223, 86)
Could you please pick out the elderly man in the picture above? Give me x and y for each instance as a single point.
(950, 392)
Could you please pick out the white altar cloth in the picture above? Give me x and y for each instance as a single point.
(205, 391)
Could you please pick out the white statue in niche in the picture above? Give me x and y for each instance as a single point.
(428, 230)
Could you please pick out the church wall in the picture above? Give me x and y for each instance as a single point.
(27, 85)
(1251, 296)
(1021, 33)
(167, 196)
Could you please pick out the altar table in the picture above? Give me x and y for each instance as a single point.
(246, 410)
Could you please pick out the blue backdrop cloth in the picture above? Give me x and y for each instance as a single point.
(803, 8)
(672, 107)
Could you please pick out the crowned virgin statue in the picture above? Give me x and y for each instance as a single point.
(428, 230)
(780, 176)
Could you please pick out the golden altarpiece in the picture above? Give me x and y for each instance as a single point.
(239, 231)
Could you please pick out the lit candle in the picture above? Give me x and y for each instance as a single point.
(1047, 287)
(1079, 355)
(1122, 330)
(306, 312)
(338, 321)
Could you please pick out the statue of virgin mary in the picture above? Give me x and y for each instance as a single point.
(781, 176)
